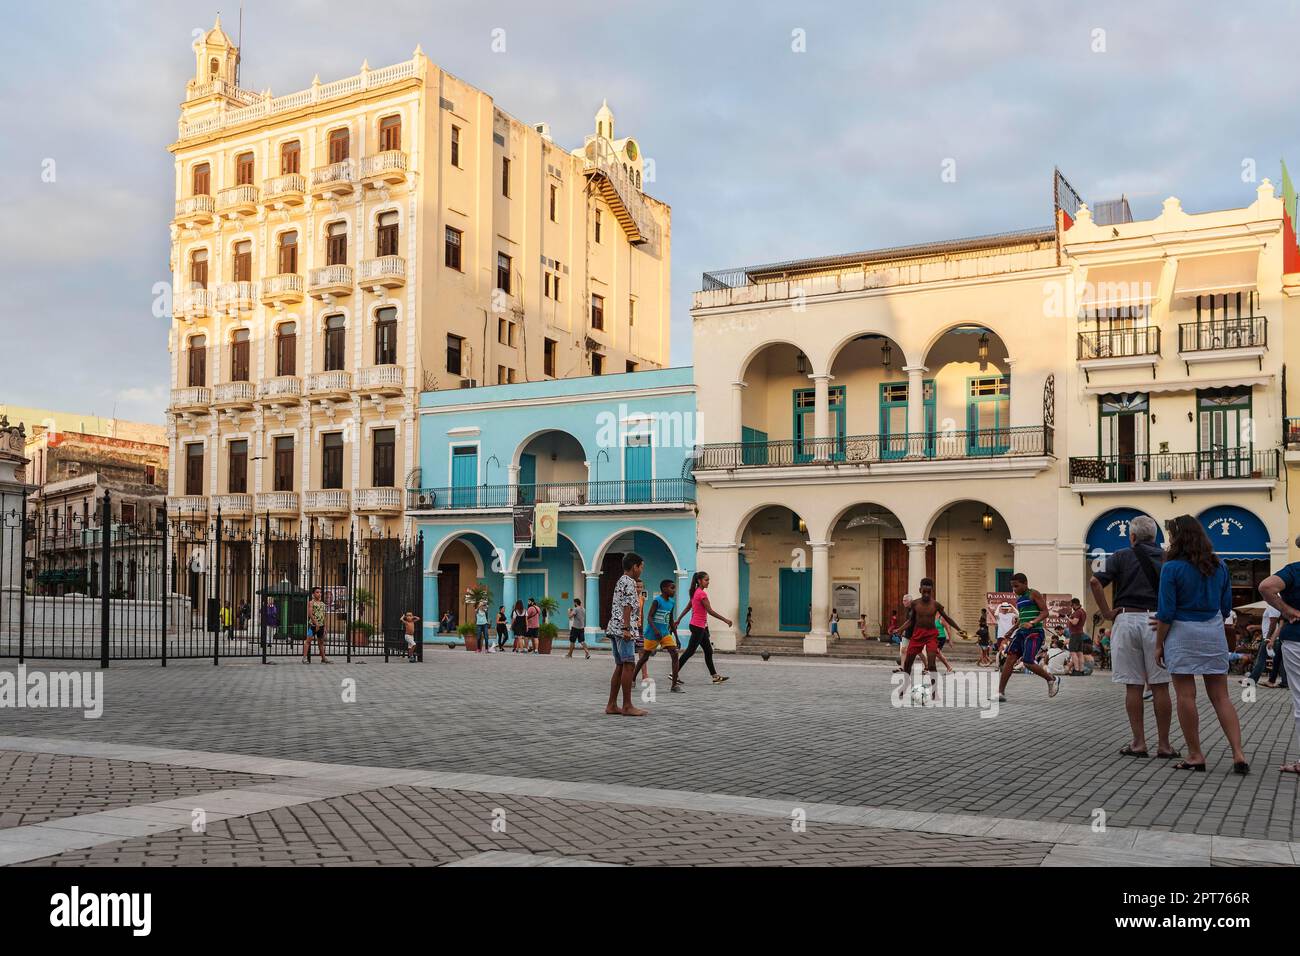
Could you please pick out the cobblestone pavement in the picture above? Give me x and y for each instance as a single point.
(412, 826)
(796, 731)
(39, 787)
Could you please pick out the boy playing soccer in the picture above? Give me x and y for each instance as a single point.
(921, 617)
(1031, 609)
(659, 629)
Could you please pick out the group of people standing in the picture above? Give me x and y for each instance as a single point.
(1171, 612)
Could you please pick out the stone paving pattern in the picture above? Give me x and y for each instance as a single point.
(413, 826)
(800, 731)
(39, 787)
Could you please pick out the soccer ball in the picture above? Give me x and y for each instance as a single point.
(920, 694)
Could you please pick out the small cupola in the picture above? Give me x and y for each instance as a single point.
(216, 58)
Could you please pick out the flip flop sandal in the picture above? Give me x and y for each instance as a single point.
(1290, 768)
(1241, 767)
(1169, 756)
(1184, 765)
(1128, 751)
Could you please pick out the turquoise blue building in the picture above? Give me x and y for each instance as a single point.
(611, 452)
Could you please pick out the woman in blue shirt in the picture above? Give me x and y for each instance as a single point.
(1195, 598)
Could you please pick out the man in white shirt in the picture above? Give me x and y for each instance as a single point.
(1267, 635)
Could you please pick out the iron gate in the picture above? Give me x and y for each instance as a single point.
(81, 587)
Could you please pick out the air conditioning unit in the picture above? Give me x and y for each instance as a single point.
(469, 383)
(424, 499)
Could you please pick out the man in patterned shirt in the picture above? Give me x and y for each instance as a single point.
(624, 623)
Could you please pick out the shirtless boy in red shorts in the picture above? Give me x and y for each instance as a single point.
(921, 615)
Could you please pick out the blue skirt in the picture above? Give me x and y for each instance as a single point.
(1197, 647)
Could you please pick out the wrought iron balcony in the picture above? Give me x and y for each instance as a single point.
(976, 444)
(1178, 466)
(1119, 343)
(1223, 334)
(572, 494)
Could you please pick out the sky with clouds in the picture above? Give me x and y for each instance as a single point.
(764, 153)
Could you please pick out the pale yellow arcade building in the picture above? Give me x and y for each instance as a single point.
(970, 408)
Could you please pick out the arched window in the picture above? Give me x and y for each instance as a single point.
(202, 180)
(214, 67)
(286, 349)
(390, 133)
(335, 341)
(288, 252)
(290, 155)
(386, 236)
(386, 336)
(338, 145)
(244, 169)
(336, 244)
(197, 360)
(241, 261)
(199, 269)
(239, 355)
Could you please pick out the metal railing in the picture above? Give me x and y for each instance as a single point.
(1291, 432)
(1018, 441)
(648, 491)
(1175, 466)
(1246, 332)
(1119, 343)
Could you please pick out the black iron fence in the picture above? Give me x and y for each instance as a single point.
(1020, 441)
(92, 589)
(1119, 343)
(1291, 433)
(631, 493)
(1176, 466)
(1246, 332)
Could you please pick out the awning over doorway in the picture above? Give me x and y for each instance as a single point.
(1108, 533)
(1235, 532)
(1216, 275)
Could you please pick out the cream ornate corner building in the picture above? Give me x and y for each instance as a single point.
(872, 418)
(1176, 386)
(340, 249)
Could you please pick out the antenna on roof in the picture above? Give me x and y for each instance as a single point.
(239, 43)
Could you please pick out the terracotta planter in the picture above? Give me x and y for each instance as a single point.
(544, 644)
(360, 639)
(471, 642)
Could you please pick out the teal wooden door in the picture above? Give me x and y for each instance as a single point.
(464, 477)
(795, 599)
(805, 409)
(527, 479)
(637, 470)
(753, 446)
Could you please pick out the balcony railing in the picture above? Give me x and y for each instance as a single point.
(233, 506)
(389, 166)
(328, 501)
(330, 280)
(187, 504)
(1223, 463)
(1119, 343)
(277, 502)
(1244, 333)
(288, 188)
(331, 383)
(236, 198)
(340, 176)
(233, 393)
(282, 286)
(197, 303)
(635, 493)
(379, 378)
(195, 396)
(195, 207)
(1019, 441)
(236, 296)
(377, 499)
(286, 387)
(384, 271)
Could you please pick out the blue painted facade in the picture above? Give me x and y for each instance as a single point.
(611, 450)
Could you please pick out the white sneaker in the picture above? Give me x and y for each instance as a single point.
(1054, 687)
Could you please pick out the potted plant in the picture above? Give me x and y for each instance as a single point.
(546, 636)
(469, 634)
(360, 628)
(361, 631)
(548, 606)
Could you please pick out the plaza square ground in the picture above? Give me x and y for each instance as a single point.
(505, 759)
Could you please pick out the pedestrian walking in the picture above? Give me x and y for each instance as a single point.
(315, 627)
(1074, 623)
(533, 624)
(1282, 592)
(700, 610)
(518, 626)
(481, 626)
(577, 628)
(503, 627)
(1195, 598)
(270, 621)
(1133, 574)
(659, 631)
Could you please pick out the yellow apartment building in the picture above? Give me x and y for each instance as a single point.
(338, 250)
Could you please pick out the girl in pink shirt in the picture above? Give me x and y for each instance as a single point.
(700, 610)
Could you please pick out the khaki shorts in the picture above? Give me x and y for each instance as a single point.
(1133, 651)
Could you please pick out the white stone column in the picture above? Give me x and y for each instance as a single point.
(915, 409)
(821, 416)
(722, 564)
(1279, 554)
(737, 410)
(1072, 571)
(915, 565)
(1035, 558)
(818, 637)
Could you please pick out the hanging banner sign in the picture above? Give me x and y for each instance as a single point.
(546, 524)
(523, 521)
